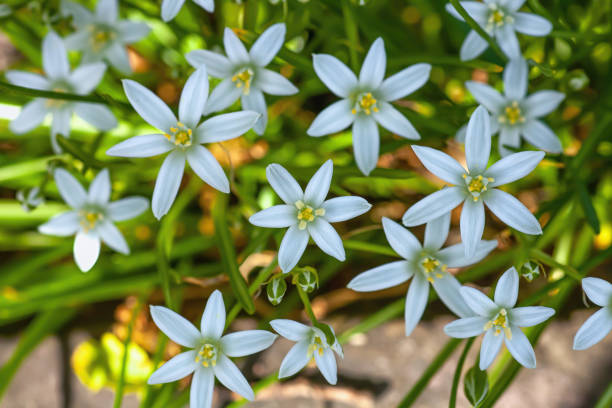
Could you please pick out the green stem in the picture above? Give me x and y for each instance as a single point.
(124, 361)
(550, 261)
(606, 398)
(457, 376)
(351, 32)
(307, 306)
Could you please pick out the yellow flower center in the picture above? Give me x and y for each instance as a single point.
(433, 268)
(57, 103)
(317, 346)
(477, 185)
(100, 37)
(207, 356)
(497, 17)
(243, 80)
(180, 135)
(512, 114)
(499, 323)
(306, 213)
(89, 219)
(365, 103)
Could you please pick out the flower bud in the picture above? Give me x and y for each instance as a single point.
(307, 279)
(531, 270)
(276, 290)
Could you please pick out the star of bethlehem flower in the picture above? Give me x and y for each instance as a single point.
(311, 345)
(514, 114)
(365, 102)
(500, 321)
(307, 214)
(501, 20)
(599, 324)
(243, 73)
(475, 186)
(59, 78)
(182, 137)
(425, 264)
(210, 351)
(170, 8)
(92, 216)
(101, 36)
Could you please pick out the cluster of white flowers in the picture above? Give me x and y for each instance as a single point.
(366, 102)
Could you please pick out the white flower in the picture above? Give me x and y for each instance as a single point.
(91, 217)
(514, 114)
(424, 264)
(244, 74)
(58, 78)
(170, 8)
(500, 19)
(366, 101)
(30, 198)
(600, 323)
(101, 35)
(209, 357)
(500, 321)
(307, 214)
(183, 138)
(474, 187)
(311, 343)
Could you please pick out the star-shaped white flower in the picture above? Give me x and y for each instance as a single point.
(501, 20)
(183, 138)
(311, 343)
(600, 323)
(500, 321)
(92, 216)
(366, 101)
(59, 78)
(209, 357)
(475, 186)
(170, 8)
(515, 114)
(425, 264)
(101, 36)
(307, 214)
(244, 74)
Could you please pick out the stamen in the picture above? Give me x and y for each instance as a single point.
(307, 214)
(207, 356)
(365, 103)
(476, 185)
(243, 80)
(499, 323)
(433, 268)
(512, 114)
(181, 135)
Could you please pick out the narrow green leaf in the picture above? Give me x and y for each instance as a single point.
(587, 206)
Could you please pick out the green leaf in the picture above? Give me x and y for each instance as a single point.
(476, 385)
(587, 206)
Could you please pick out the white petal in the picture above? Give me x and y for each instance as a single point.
(246, 342)
(487, 96)
(79, 40)
(86, 250)
(448, 289)
(61, 122)
(61, 225)
(176, 327)
(507, 41)
(193, 98)
(416, 300)
(479, 302)
(381, 277)
(334, 118)
(204, 164)
(334, 74)
(55, 59)
(277, 216)
(436, 232)
(327, 365)
(170, 8)
(79, 13)
(217, 65)
(404, 82)
(513, 167)
(226, 126)
(127, 208)
(594, 329)
(100, 188)
(516, 76)
(514, 5)
(112, 237)
(142, 146)
(99, 116)
(509, 136)
(542, 103)
(392, 120)
(373, 68)
(107, 11)
(27, 79)
(295, 360)
(344, 208)
(472, 46)
(284, 184)
(234, 48)
(541, 136)
(86, 78)
(318, 186)
(148, 105)
(489, 348)
(512, 212)
(222, 96)
(229, 375)
(440, 164)
(256, 102)
(208, 5)
(213, 318)
(477, 10)
(531, 24)
(131, 32)
(401, 239)
(530, 315)
(472, 225)
(202, 386)
(365, 143)
(291, 248)
(326, 238)
(274, 83)
(506, 291)
(167, 183)
(433, 206)
(177, 367)
(32, 115)
(70, 189)
(520, 348)
(268, 44)
(478, 140)
(598, 291)
(291, 329)
(117, 55)
(466, 327)
(454, 256)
